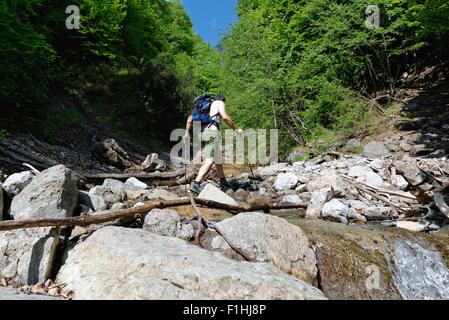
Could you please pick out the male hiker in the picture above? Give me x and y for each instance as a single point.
(210, 112)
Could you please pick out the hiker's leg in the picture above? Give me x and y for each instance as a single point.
(204, 171)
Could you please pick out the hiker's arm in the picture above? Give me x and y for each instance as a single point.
(189, 125)
(226, 118)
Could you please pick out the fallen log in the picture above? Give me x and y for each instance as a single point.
(107, 216)
(142, 176)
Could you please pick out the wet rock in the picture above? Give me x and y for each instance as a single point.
(27, 255)
(210, 192)
(286, 181)
(167, 223)
(157, 267)
(375, 149)
(412, 226)
(422, 273)
(269, 239)
(319, 198)
(135, 184)
(16, 182)
(51, 194)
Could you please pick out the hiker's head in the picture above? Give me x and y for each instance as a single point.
(221, 97)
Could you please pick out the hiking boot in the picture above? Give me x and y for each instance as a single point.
(195, 188)
(225, 186)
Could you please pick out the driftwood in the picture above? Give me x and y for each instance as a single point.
(106, 216)
(372, 193)
(213, 226)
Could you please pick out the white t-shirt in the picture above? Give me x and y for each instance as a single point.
(214, 112)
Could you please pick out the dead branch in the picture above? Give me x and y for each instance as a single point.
(372, 193)
(107, 216)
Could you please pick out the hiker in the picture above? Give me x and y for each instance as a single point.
(210, 112)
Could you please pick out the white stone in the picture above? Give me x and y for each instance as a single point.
(319, 198)
(16, 182)
(400, 182)
(286, 181)
(134, 183)
(293, 198)
(113, 184)
(211, 192)
(412, 226)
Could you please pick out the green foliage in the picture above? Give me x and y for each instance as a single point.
(302, 66)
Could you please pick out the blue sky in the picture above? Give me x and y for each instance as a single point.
(211, 18)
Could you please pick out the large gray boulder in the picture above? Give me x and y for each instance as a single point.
(27, 256)
(268, 238)
(409, 169)
(16, 182)
(168, 223)
(51, 194)
(120, 263)
(340, 212)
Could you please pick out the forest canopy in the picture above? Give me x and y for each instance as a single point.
(306, 68)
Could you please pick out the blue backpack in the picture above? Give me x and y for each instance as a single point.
(201, 111)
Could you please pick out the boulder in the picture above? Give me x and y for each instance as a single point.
(286, 181)
(153, 163)
(27, 255)
(92, 201)
(330, 178)
(271, 170)
(293, 198)
(51, 194)
(16, 182)
(375, 149)
(366, 175)
(271, 239)
(110, 152)
(113, 184)
(319, 198)
(211, 192)
(135, 184)
(149, 266)
(379, 213)
(399, 181)
(337, 210)
(101, 195)
(410, 170)
(168, 223)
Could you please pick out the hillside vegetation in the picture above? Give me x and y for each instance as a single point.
(308, 68)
